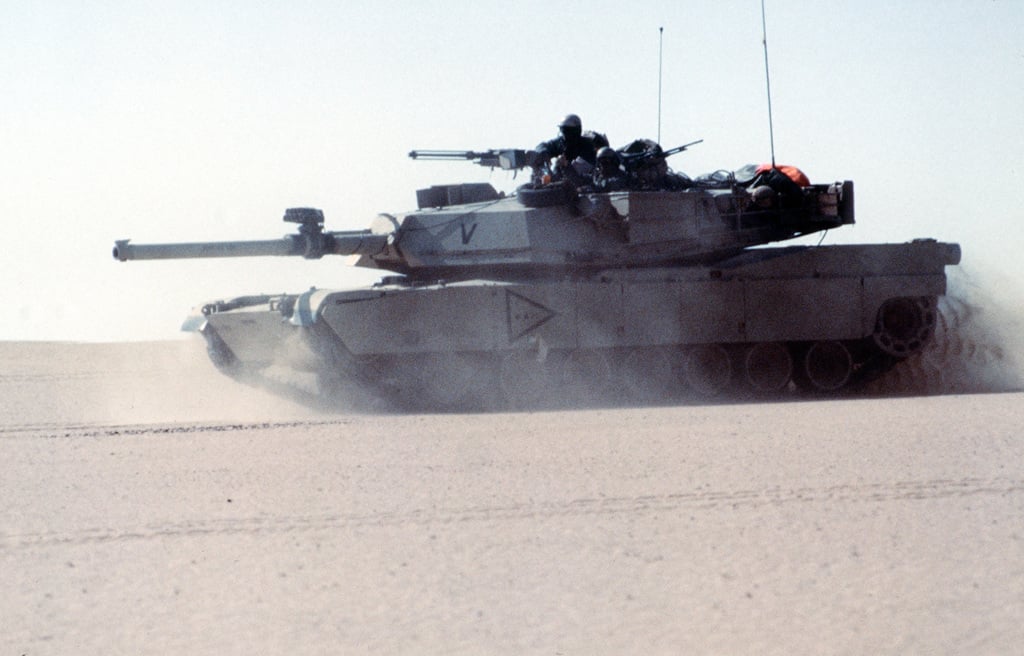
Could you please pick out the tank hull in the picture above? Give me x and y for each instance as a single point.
(766, 321)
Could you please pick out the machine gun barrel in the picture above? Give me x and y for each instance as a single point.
(508, 159)
(311, 242)
(633, 159)
(445, 154)
(679, 149)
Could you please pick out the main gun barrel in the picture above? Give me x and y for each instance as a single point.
(311, 242)
(124, 251)
(332, 243)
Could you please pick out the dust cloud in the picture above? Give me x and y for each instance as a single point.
(60, 383)
(978, 345)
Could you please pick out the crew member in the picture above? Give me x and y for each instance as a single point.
(609, 174)
(571, 144)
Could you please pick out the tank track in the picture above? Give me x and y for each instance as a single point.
(527, 380)
(318, 371)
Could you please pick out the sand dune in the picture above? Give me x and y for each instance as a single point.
(153, 506)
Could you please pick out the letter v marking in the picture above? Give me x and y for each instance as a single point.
(467, 234)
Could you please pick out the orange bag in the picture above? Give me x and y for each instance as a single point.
(791, 172)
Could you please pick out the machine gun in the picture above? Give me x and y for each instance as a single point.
(651, 152)
(507, 159)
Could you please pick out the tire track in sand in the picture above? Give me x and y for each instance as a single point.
(700, 500)
(65, 431)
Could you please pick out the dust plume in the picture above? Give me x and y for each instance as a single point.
(978, 345)
(150, 382)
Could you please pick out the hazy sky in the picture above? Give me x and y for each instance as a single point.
(205, 120)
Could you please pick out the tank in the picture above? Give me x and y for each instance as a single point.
(561, 293)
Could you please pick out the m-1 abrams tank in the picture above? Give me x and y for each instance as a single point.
(495, 301)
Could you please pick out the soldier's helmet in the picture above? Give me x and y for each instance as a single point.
(571, 121)
(607, 154)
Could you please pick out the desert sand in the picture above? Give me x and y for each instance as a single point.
(152, 506)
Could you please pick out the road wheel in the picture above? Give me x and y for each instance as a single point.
(768, 366)
(707, 369)
(447, 379)
(586, 373)
(827, 366)
(649, 374)
(524, 378)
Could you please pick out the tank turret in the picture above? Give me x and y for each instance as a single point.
(466, 231)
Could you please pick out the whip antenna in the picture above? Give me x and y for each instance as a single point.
(768, 83)
(661, 31)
